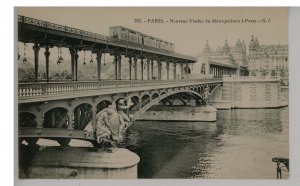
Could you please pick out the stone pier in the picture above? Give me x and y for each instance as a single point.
(249, 92)
(83, 163)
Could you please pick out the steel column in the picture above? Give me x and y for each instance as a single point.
(99, 55)
(152, 69)
(130, 70)
(135, 68)
(174, 66)
(168, 69)
(119, 67)
(116, 66)
(47, 54)
(73, 52)
(76, 66)
(148, 68)
(159, 69)
(142, 69)
(181, 70)
(36, 49)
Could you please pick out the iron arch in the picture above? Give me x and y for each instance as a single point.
(158, 99)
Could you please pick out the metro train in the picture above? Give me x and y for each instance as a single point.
(122, 33)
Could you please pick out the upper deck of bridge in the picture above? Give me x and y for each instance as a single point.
(33, 30)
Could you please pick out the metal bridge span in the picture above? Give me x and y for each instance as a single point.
(61, 110)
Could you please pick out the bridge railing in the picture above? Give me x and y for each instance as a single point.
(27, 90)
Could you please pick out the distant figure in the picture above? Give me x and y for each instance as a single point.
(278, 169)
(206, 95)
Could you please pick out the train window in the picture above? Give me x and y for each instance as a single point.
(140, 39)
(115, 35)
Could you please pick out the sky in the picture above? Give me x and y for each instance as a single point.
(189, 38)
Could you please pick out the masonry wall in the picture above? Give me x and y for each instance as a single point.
(252, 93)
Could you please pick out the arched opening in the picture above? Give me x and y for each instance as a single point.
(154, 96)
(135, 101)
(163, 93)
(201, 90)
(27, 119)
(83, 114)
(56, 118)
(145, 100)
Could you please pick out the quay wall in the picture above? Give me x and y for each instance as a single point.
(249, 92)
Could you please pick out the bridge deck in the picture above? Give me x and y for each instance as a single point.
(47, 91)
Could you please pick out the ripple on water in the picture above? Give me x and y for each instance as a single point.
(239, 145)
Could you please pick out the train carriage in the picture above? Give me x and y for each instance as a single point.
(125, 34)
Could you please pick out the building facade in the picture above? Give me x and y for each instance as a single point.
(267, 60)
(224, 60)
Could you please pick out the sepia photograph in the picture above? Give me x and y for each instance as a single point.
(152, 93)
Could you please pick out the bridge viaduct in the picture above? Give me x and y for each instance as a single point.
(61, 110)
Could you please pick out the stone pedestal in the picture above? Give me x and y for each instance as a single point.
(83, 163)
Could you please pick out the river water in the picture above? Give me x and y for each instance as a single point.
(240, 144)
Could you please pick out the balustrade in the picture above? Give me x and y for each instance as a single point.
(42, 89)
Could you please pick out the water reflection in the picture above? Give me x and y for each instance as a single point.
(239, 145)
